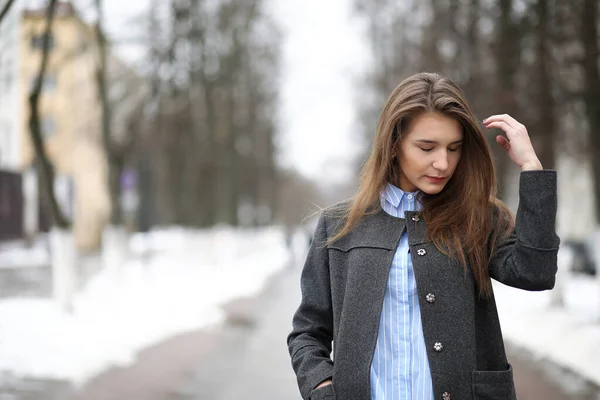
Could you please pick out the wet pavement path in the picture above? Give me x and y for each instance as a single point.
(539, 379)
(252, 361)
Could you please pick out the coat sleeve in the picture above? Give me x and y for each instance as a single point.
(310, 341)
(527, 259)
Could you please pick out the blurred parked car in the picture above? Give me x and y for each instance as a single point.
(583, 256)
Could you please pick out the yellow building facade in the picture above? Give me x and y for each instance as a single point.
(69, 115)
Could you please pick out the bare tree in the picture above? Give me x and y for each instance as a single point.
(46, 168)
(394, 34)
(299, 198)
(63, 250)
(114, 155)
(215, 108)
(544, 135)
(507, 57)
(433, 32)
(591, 91)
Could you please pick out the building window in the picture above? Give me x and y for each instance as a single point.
(48, 85)
(48, 127)
(37, 41)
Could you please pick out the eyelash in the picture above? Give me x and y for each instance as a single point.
(428, 150)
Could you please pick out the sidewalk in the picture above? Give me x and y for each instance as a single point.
(157, 372)
(568, 337)
(252, 361)
(249, 347)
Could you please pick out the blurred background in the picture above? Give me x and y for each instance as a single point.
(162, 163)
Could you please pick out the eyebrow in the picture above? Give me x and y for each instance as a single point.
(434, 142)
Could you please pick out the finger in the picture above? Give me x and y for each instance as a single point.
(505, 118)
(503, 142)
(502, 125)
(510, 120)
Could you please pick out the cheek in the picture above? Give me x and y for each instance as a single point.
(456, 160)
(412, 163)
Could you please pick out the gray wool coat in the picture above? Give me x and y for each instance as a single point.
(343, 286)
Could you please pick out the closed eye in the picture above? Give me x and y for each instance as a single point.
(428, 150)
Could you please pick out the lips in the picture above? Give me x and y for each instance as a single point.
(436, 178)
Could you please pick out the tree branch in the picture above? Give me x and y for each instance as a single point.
(6, 9)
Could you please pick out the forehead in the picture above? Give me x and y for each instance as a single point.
(436, 127)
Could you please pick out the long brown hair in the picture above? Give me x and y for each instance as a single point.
(466, 214)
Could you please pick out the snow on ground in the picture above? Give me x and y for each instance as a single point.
(16, 255)
(568, 337)
(175, 281)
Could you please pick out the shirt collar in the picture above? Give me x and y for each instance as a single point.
(393, 194)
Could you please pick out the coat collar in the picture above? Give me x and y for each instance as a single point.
(380, 230)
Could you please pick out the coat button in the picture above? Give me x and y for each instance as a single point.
(438, 347)
(430, 298)
(446, 396)
(416, 218)
(421, 252)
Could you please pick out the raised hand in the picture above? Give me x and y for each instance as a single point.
(516, 143)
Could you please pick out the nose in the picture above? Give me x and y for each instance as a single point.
(441, 161)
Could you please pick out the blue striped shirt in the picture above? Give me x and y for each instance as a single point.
(400, 369)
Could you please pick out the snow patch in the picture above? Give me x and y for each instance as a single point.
(176, 284)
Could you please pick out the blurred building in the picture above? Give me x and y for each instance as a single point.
(9, 90)
(69, 116)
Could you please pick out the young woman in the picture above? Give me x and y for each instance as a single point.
(399, 278)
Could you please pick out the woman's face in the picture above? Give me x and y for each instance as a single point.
(429, 153)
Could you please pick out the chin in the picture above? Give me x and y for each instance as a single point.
(432, 189)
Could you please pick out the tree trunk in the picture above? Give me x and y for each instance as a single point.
(62, 246)
(234, 190)
(432, 60)
(211, 170)
(589, 36)
(114, 158)
(472, 56)
(546, 106)
(46, 169)
(507, 61)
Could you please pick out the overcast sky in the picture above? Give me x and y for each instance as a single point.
(324, 53)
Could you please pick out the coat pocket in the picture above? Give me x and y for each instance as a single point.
(323, 393)
(494, 385)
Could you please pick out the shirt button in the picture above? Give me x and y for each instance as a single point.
(416, 218)
(421, 252)
(438, 347)
(430, 298)
(446, 396)
(410, 196)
